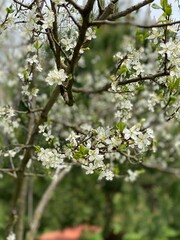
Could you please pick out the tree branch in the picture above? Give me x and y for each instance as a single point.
(173, 171)
(43, 203)
(107, 22)
(129, 10)
(76, 6)
(81, 38)
(107, 11)
(132, 80)
(25, 5)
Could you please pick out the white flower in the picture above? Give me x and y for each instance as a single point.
(7, 112)
(107, 174)
(31, 20)
(131, 133)
(32, 60)
(72, 138)
(139, 68)
(56, 77)
(113, 142)
(39, 67)
(102, 134)
(10, 154)
(155, 35)
(69, 43)
(169, 48)
(34, 92)
(46, 131)
(132, 176)
(152, 101)
(48, 20)
(11, 236)
(90, 34)
(89, 169)
(50, 158)
(94, 155)
(150, 133)
(142, 141)
(30, 93)
(126, 104)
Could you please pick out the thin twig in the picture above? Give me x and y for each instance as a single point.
(107, 22)
(76, 6)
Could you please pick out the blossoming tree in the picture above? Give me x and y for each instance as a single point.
(58, 113)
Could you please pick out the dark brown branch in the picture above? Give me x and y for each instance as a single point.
(56, 36)
(107, 11)
(76, 6)
(81, 38)
(173, 114)
(92, 91)
(132, 80)
(72, 17)
(107, 22)
(100, 8)
(148, 77)
(25, 5)
(27, 155)
(129, 10)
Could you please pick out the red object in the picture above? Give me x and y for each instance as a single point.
(73, 233)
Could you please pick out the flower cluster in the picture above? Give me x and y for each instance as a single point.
(9, 121)
(50, 158)
(11, 236)
(153, 101)
(48, 19)
(7, 113)
(10, 153)
(135, 137)
(68, 43)
(46, 131)
(96, 150)
(132, 175)
(90, 34)
(56, 77)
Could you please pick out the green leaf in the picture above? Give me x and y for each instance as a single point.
(116, 170)
(78, 155)
(23, 106)
(36, 45)
(123, 69)
(172, 99)
(155, 6)
(9, 10)
(122, 147)
(166, 7)
(174, 84)
(83, 150)
(121, 126)
(164, 3)
(38, 148)
(25, 74)
(168, 10)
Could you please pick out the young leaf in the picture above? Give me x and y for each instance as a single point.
(155, 6)
(121, 126)
(9, 10)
